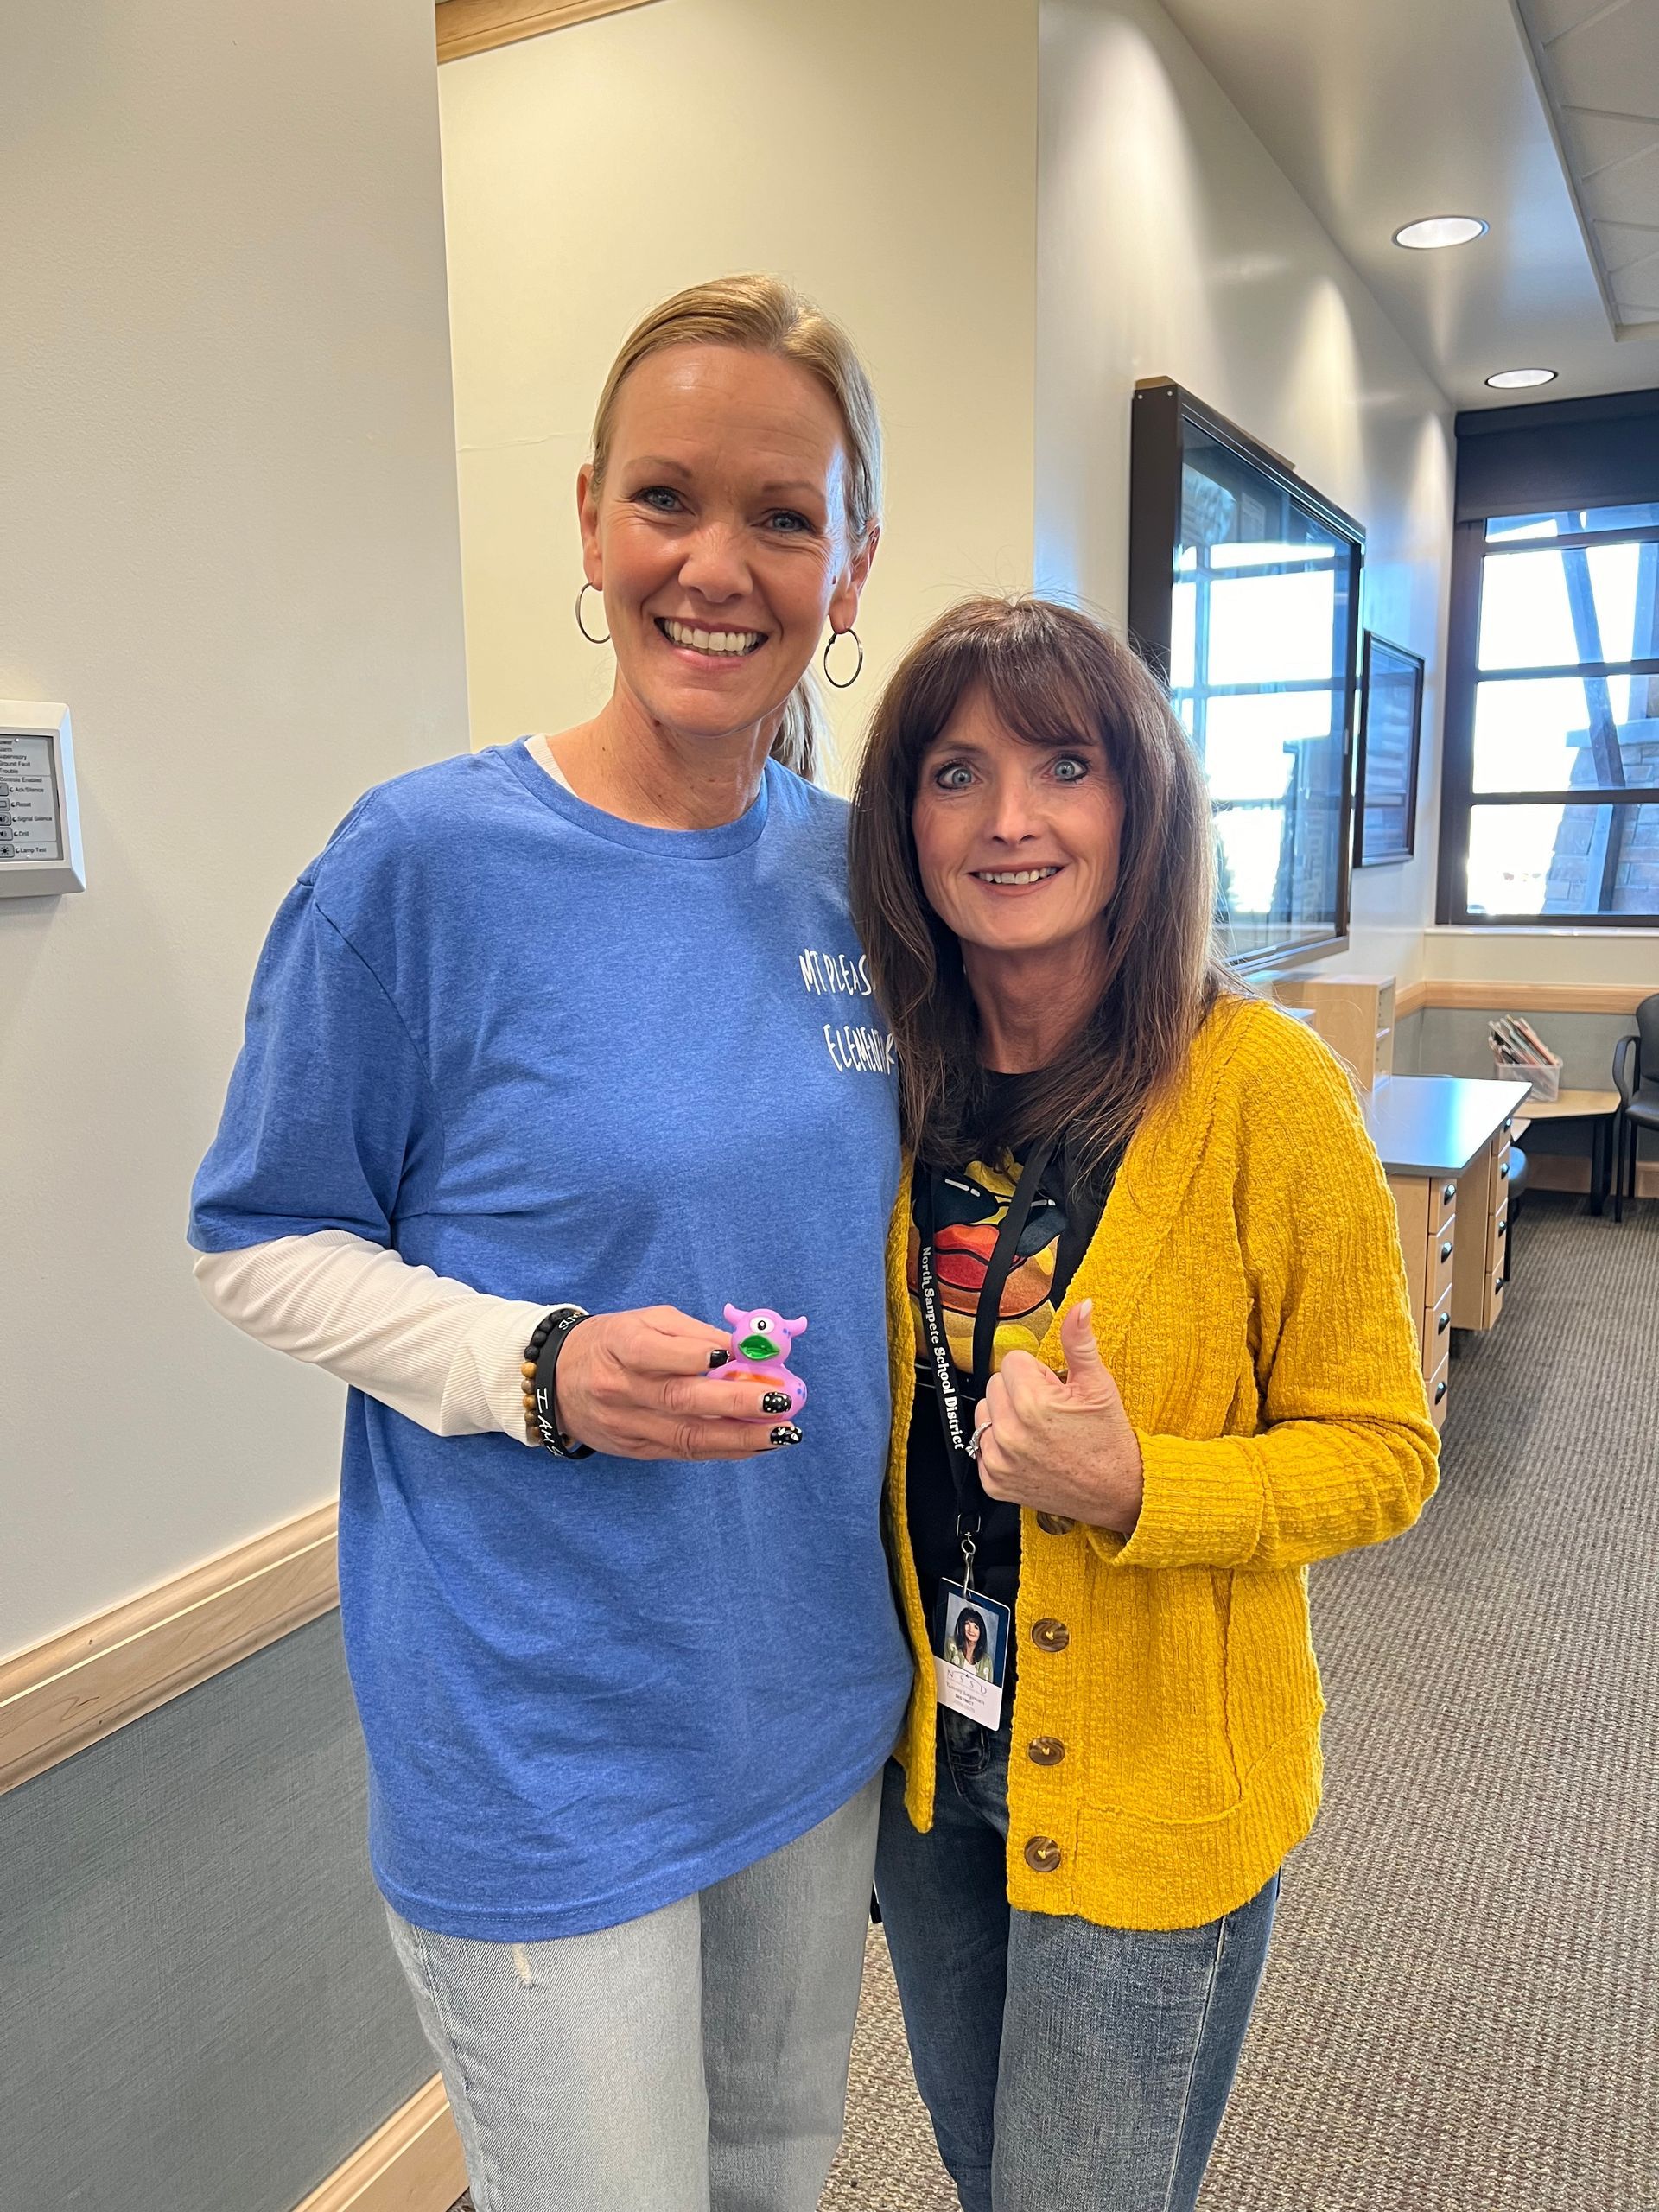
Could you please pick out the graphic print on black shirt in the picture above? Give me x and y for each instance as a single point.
(968, 1211)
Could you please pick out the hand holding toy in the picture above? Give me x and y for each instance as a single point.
(760, 1344)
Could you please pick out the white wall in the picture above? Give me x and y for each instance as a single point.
(230, 543)
(881, 156)
(1170, 244)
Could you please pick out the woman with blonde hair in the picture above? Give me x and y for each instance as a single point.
(547, 1060)
(1153, 1356)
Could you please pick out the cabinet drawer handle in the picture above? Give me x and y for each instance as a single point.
(1503, 1229)
(1439, 1390)
(1448, 1194)
(1446, 1251)
(1443, 1325)
(1503, 1172)
(1497, 1284)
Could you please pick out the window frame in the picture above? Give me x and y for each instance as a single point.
(1161, 412)
(1471, 550)
(1540, 456)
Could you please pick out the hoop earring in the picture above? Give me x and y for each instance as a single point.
(582, 627)
(831, 640)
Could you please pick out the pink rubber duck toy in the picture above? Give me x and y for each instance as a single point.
(761, 1342)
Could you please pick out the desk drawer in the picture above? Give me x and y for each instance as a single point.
(1437, 1333)
(1442, 1201)
(1442, 1246)
(1498, 1233)
(1439, 1389)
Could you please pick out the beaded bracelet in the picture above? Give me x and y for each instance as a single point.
(539, 1370)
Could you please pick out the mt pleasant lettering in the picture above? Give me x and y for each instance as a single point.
(836, 971)
(855, 1047)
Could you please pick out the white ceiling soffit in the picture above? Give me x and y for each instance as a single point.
(1599, 64)
(1380, 111)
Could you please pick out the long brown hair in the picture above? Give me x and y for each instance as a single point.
(1050, 674)
(762, 314)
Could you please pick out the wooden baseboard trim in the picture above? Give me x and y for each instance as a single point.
(411, 2165)
(1534, 998)
(467, 27)
(62, 1695)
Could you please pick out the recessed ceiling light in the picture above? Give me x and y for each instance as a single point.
(1518, 379)
(1440, 230)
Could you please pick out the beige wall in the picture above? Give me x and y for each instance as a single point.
(1170, 244)
(230, 543)
(882, 156)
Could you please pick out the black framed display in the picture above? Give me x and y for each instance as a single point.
(1390, 729)
(1245, 596)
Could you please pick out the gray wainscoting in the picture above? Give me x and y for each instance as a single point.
(1451, 1041)
(200, 2011)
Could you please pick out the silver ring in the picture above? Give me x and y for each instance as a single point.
(984, 1429)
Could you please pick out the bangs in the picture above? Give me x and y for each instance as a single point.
(1028, 669)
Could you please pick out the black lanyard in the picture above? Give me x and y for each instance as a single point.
(957, 1394)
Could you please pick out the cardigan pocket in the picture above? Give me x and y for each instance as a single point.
(1273, 1682)
(1160, 1739)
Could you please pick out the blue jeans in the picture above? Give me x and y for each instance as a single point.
(694, 2060)
(1066, 2067)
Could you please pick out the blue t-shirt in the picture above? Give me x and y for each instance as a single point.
(556, 1055)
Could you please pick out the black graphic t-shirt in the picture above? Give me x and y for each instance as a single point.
(969, 1210)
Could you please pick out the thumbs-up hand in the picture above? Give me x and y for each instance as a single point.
(1065, 1447)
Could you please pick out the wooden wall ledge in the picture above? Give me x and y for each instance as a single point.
(1522, 998)
(474, 26)
(80, 1687)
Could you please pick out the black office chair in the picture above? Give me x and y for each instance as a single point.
(1635, 1075)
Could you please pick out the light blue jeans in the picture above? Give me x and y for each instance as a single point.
(691, 2060)
(1066, 2067)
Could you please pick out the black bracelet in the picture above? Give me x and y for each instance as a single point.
(539, 1371)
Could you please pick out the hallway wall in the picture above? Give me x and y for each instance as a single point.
(230, 545)
(1170, 243)
(884, 158)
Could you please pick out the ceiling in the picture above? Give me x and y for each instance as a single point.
(1541, 116)
(1598, 67)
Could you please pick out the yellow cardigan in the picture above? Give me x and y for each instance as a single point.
(1251, 1301)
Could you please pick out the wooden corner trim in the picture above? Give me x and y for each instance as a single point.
(60, 1696)
(467, 27)
(1539, 998)
(413, 2163)
(1410, 997)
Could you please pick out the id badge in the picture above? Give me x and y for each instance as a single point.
(970, 1653)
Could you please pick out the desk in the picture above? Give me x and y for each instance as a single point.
(1445, 1146)
(1599, 1109)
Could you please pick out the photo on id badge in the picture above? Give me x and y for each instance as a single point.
(970, 1653)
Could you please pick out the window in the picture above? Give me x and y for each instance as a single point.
(1551, 787)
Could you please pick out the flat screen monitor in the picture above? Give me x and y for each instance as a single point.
(1245, 595)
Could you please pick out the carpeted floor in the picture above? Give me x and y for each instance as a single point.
(1461, 2010)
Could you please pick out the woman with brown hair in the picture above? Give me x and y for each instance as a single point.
(1149, 1244)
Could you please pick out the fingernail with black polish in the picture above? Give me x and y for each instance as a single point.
(775, 1401)
(718, 1358)
(785, 1433)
